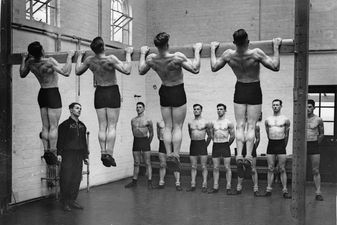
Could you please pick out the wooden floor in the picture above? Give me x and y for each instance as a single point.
(112, 204)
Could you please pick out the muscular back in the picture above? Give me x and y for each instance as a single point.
(246, 66)
(44, 71)
(103, 70)
(168, 67)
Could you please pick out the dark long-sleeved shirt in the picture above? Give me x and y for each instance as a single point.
(72, 136)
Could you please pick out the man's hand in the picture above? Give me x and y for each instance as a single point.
(129, 50)
(215, 45)
(277, 42)
(197, 47)
(80, 52)
(59, 158)
(71, 53)
(144, 50)
(86, 161)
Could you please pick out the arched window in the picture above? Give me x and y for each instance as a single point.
(120, 22)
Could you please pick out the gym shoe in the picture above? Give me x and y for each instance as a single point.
(50, 157)
(267, 194)
(160, 186)
(204, 189)
(108, 160)
(66, 208)
(213, 191)
(319, 197)
(230, 192)
(179, 188)
(149, 184)
(286, 195)
(238, 192)
(75, 205)
(133, 183)
(191, 189)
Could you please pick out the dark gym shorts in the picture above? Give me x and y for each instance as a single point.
(198, 147)
(244, 151)
(107, 97)
(276, 147)
(162, 148)
(248, 93)
(141, 144)
(312, 148)
(49, 98)
(221, 150)
(172, 96)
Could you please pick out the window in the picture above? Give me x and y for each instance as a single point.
(44, 11)
(325, 108)
(120, 22)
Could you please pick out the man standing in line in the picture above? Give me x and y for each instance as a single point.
(198, 128)
(142, 130)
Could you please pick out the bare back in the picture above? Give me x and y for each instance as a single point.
(44, 71)
(246, 66)
(103, 69)
(168, 68)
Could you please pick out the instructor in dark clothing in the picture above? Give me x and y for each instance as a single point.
(72, 149)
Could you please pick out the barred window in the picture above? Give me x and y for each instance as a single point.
(44, 11)
(120, 22)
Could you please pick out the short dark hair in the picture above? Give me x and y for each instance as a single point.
(220, 104)
(240, 37)
(141, 103)
(97, 45)
(35, 49)
(161, 39)
(72, 105)
(311, 102)
(197, 105)
(277, 100)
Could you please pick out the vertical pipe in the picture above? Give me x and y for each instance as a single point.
(5, 106)
(100, 18)
(300, 112)
(260, 13)
(78, 78)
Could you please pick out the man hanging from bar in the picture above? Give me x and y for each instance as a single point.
(169, 66)
(107, 95)
(245, 64)
(46, 71)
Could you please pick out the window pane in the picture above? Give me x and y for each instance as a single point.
(328, 99)
(314, 96)
(327, 114)
(328, 128)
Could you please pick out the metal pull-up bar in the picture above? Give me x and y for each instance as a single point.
(287, 46)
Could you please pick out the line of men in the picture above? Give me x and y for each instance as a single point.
(222, 133)
(244, 62)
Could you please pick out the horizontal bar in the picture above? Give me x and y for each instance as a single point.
(287, 46)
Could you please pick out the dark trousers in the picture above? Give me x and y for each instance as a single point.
(70, 174)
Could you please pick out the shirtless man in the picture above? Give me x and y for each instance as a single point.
(315, 136)
(277, 128)
(142, 130)
(223, 135)
(169, 67)
(162, 159)
(197, 130)
(46, 71)
(245, 64)
(107, 95)
(241, 168)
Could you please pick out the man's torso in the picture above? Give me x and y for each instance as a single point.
(140, 126)
(198, 129)
(221, 131)
(276, 126)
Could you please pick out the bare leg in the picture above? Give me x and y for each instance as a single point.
(271, 166)
(102, 126)
(112, 116)
(216, 165)
(203, 160)
(281, 163)
(255, 177)
(315, 160)
(240, 117)
(227, 163)
(136, 160)
(147, 159)
(45, 128)
(54, 118)
(178, 118)
(167, 135)
(253, 114)
(162, 170)
(194, 162)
